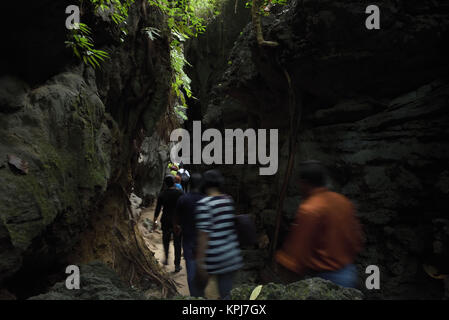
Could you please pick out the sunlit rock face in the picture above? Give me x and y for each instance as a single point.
(151, 168)
(374, 111)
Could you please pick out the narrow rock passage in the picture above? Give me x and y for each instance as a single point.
(153, 239)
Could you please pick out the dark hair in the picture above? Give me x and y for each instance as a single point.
(181, 165)
(313, 173)
(169, 181)
(195, 180)
(212, 179)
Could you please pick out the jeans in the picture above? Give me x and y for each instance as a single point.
(225, 281)
(345, 277)
(191, 269)
(166, 237)
(225, 284)
(189, 256)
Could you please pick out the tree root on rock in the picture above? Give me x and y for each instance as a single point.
(257, 25)
(116, 240)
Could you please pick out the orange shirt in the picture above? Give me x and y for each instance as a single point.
(326, 235)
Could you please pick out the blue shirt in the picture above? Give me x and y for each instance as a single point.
(185, 209)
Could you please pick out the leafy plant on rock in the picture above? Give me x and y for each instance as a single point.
(81, 42)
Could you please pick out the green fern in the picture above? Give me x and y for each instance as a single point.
(80, 41)
(152, 33)
(185, 19)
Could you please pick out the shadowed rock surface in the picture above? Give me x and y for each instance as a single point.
(374, 111)
(97, 282)
(309, 289)
(77, 131)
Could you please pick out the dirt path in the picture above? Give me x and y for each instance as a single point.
(154, 242)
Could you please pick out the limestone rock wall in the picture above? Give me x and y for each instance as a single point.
(70, 139)
(374, 111)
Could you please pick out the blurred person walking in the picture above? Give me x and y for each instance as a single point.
(326, 235)
(218, 251)
(173, 168)
(185, 217)
(185, 176)
(167, 200)
(178, 183)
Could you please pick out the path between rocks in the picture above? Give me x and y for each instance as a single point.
(153, 240)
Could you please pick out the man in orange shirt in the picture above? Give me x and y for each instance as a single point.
(326, 235)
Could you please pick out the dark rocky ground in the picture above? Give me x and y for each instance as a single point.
(309, 289)
(99, 282)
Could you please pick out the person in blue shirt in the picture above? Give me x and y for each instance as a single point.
(178, 183)
(185, 217)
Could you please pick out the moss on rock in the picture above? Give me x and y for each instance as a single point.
(59, 133)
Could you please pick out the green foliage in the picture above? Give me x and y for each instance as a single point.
(181, 82)
(178, 61)
(118, 11)
(180, 16)
(264, 3)
(152, 33)
(206, 9)
(80, 39)
(82, 45)
(185, 19)
(180, 110)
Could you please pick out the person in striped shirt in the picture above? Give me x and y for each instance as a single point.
(218, 251)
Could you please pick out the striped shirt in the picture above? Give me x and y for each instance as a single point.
(215, 216)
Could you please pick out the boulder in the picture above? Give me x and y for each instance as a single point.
(97, 282)
(309, 289)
